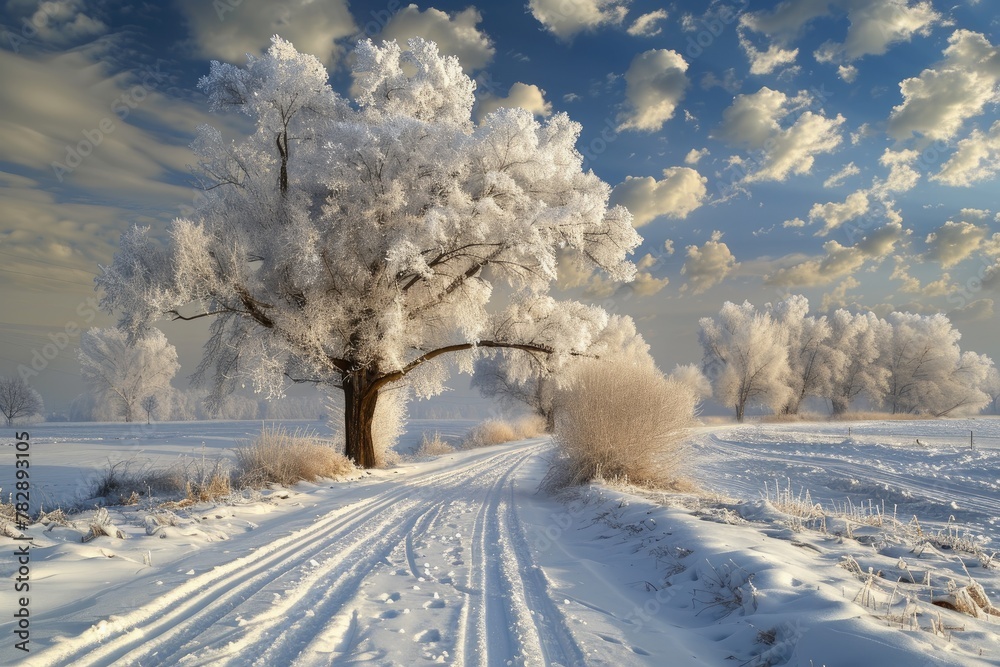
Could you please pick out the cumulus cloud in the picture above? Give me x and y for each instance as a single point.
(681, 191)
(456, 34)
(977, 311)
(526, 96)
(937, 103)
(794, 222)
(837, 179)
(902, 176)
(875, 25)
(755, 121)
(839, 261)
(952, 242)
(765, 62)
(230, 31)
(648, 25)
(56, 22)
(848, 73)
(695, 155)
(838, 297)
(976, 158)
(834, 214)
(566, 18)
(708, 265)
(654, 85)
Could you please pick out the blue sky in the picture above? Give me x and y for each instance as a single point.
(843, 149)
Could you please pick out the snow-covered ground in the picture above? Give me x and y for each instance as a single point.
(460, 560)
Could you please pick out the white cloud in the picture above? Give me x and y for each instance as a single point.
(976, 213)
(902, 176)
(681, 191)
(647, 25)
(977, 311)
(765, 62)
(456, 34)
(794, 222)
(834, 214)
(937, 103)
(230, 31)
(566, 18)
(874, 24)
(695, 155)
(57, 22)
(708, 265)
(877, 24)
(654, 85)
(837, 179)
(952, 242)
(847, 72)
(755, 122)
(526, 96)
(838, 297)
(839, 261)
(976, 158)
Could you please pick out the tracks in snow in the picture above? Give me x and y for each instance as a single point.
(436, 567)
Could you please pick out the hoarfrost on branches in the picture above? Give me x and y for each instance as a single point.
(353, 243)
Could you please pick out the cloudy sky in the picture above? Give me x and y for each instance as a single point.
(843, 149)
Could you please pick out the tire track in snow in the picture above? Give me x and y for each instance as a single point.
(210, 618)
(512, 621)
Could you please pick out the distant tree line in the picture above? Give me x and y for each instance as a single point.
(778, 356)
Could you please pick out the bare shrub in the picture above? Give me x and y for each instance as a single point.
(621, 423)
(878, 416)
(784, 418)
(277, 457)
(433, 446)
(489, 432)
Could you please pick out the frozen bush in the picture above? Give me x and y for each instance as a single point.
(621, 422)
(433, 446)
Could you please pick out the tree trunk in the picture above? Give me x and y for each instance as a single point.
(739, 412)
(550, 420)
(840, 404)
(360, 399)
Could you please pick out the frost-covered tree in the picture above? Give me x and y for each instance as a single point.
(861, 338)
(354, 243)
(150, 404)
(694, 378)
(121, 372)
(531, 379)
(812, 361)
(18, 399)
(991, 386)
(746, 357)
(928, 372)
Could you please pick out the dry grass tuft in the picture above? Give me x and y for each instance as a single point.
(877, 416)
(489, 432)
(433, 446)
(621, 423)
(277, 457)
(529, 426)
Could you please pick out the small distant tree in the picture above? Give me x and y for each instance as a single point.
(18, 399)
(150, 404)
(121, 371)
(746, 357)
(354, 243)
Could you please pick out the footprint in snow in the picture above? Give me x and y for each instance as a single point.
(428, 636)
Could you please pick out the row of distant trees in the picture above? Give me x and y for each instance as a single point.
(778, 356)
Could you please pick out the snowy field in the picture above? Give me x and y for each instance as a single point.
(459, 560)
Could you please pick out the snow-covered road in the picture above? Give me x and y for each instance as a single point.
(433, 567)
